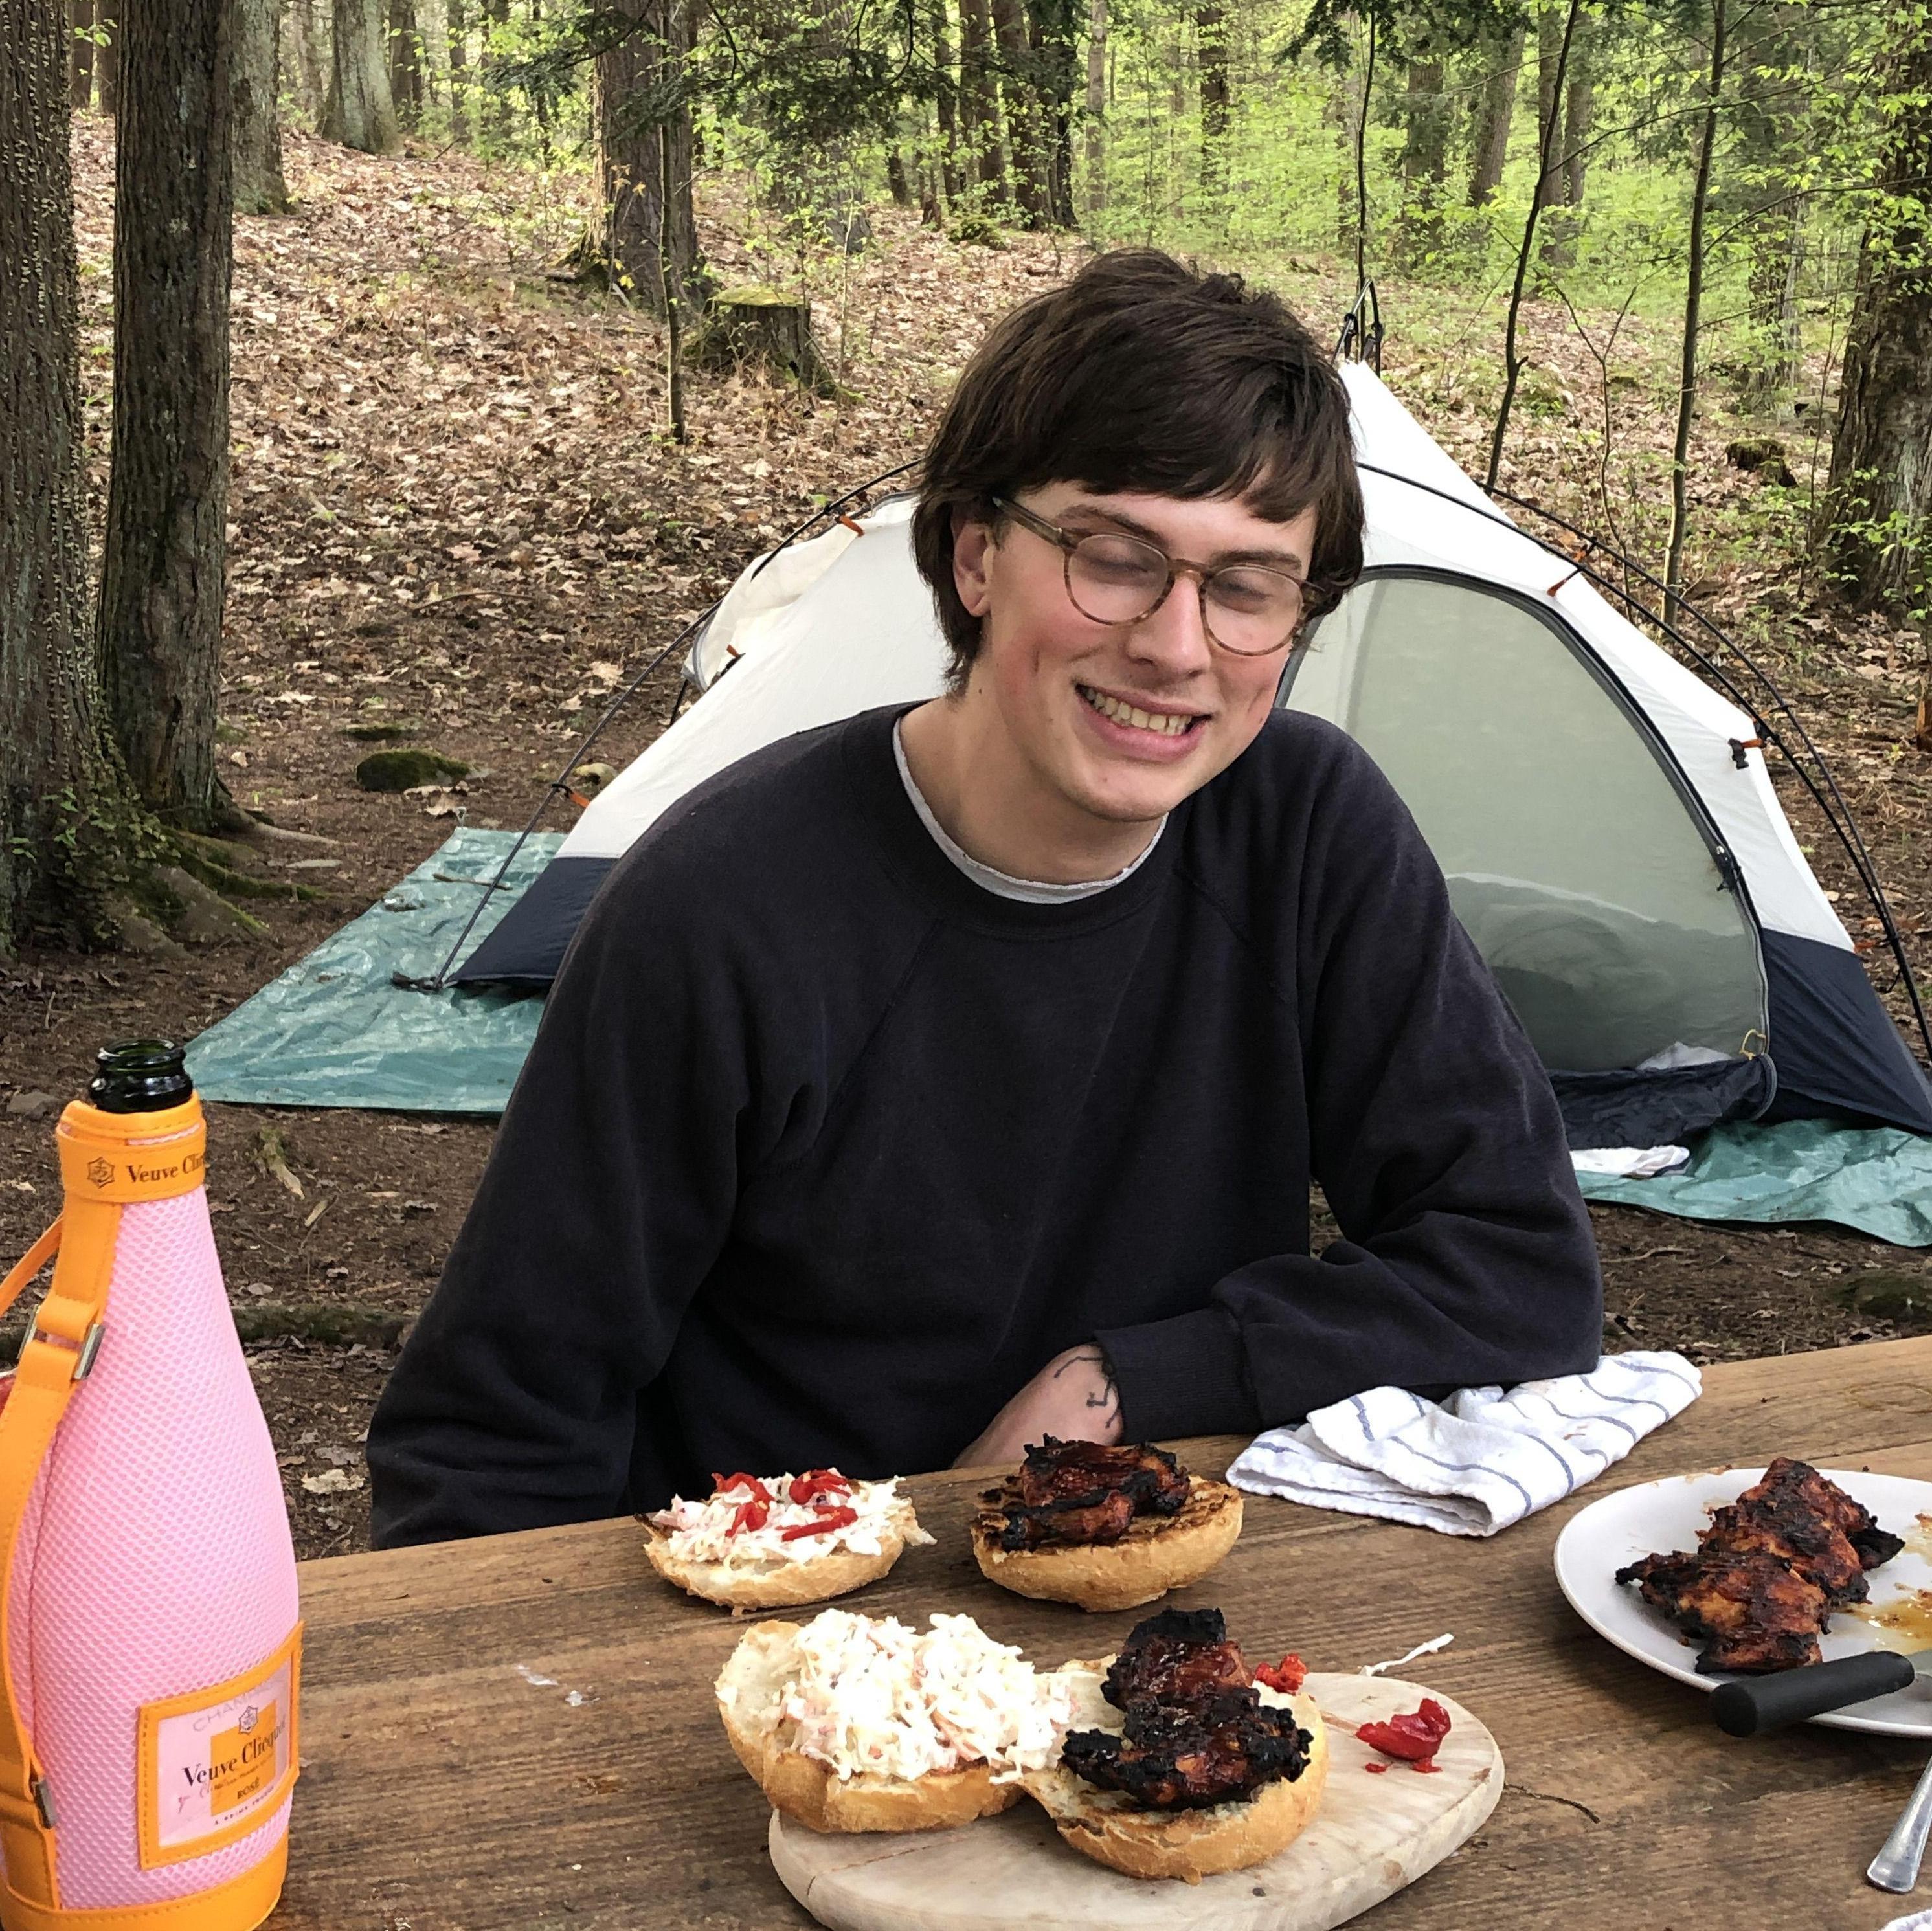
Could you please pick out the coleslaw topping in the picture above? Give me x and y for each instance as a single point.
(870, 1694)
(750, 1520)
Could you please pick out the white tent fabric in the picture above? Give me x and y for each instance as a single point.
(856, 631)
(844, 623)
(1638, 892)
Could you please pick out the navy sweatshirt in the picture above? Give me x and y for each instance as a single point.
(823, 1150)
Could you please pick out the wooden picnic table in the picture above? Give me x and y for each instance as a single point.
(519, 1731)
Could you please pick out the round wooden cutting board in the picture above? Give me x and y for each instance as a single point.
(1372, 1835)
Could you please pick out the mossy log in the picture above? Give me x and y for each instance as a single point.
(760, 324)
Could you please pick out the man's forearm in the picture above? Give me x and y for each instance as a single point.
(1074, 1397)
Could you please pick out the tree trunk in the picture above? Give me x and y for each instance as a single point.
(1210, 40)
(1054, 31)
(1778, 252)
(459, 79)
(161, 579)
(80, 55)
(1496, 107)
(1694, 296)
(1566, 201)
(405, 77)
(668, 274)
(1875, 529)
(107, 56)
(630, 178)
(1769, 153)
(1340, 111)
(945, 100)
(361, 113)
(898, 180)
(496, 118)
(1096, 109)
(1425, 158)
(1578, 114)
(61, 789)
(1550, 69)
(304, 55)
(979, 102)
(1022, 98)
(257, 137)
(1513, 361)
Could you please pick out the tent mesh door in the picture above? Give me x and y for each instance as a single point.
(1572, 858)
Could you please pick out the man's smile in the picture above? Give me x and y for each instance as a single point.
(1119, 710)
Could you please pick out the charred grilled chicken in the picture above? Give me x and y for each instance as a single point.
(1181, 1656)
(1085, 1491)
(1765, 1576)
(1196, 1732)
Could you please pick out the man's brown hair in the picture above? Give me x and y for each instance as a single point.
(1141, 375)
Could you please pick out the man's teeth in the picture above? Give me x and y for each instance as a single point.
(1168, 724)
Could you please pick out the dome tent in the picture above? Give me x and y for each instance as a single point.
(1605, 819)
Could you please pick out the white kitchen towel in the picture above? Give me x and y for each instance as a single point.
(1480, 1461)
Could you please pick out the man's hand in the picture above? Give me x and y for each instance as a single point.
(1073, 1397)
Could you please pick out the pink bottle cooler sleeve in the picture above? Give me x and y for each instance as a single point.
(151, 1632)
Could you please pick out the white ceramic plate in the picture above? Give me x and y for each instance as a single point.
(1667, 1515)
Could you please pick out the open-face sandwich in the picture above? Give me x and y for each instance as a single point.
(853, 1723)
(774, 1541)
(1180, 1761)
(1108, 1528)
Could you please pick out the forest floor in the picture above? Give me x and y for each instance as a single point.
(454, 508)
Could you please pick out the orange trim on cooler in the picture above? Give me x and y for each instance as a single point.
(124, 1157)
(43, 1383)
(241, 1904)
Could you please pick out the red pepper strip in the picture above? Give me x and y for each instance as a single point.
(828, 1520)
(749, 1515)
(720, 1483)
(817, 1481)
(1288, 1675)
(1415, 1736)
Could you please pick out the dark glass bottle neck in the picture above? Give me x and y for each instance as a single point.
(139, 1076)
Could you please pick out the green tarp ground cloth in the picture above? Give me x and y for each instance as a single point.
(1878, 1181)
(333, 1030)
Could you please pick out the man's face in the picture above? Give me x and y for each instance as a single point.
(1064, 685)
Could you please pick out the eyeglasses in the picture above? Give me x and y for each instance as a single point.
(1115, 579)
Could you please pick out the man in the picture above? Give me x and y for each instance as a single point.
(939, 1080)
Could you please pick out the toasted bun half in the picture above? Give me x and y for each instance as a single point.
(1158, 1553)
(748, 1689)
(1190, 1845)
(781, 1585)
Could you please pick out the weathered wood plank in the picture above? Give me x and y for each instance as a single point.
(446, 1790)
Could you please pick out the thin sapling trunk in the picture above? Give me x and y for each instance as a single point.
(1694, 294)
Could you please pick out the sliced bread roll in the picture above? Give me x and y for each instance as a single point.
(772, 1697)
(1110, 1827)
(1156, 1553)
(758, 1570)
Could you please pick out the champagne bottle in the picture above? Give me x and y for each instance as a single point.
(150, 1638)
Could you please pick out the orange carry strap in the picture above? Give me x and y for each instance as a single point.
(107, 1160)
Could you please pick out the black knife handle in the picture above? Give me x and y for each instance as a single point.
(1753, 1703)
